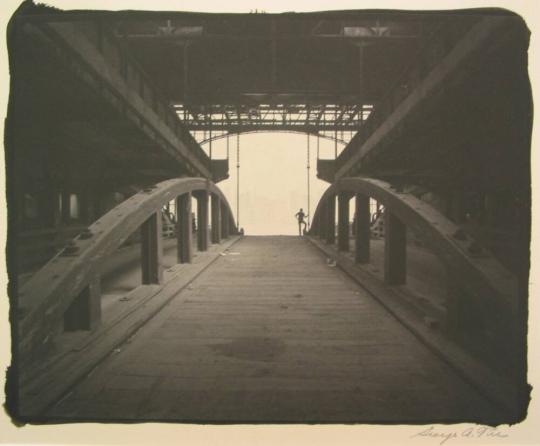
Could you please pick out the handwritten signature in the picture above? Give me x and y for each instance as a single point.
(470, 432)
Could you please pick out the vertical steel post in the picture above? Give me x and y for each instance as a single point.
(395, 250)
(363, 231)
(322, 221)
(216, 218)
(331, 220)
(184, 228)
(224, 221)
(66, 207)
(343, 221)
(308, 186)
(84, 313)
(202, 219)
(151, 249)
(238, 180)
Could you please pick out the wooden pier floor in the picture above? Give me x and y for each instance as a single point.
(272, 333)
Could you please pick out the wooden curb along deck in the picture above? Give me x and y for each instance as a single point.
(46, 384)
(270, 333)
(492, 386)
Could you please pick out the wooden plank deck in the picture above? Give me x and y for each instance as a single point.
(272, 333)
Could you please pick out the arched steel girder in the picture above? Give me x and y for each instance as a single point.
(480, 288)
(43, 300)
(244, 132)
(482, 276)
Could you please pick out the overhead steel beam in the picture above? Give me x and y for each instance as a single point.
(356, 17)
(244, 130)
(138, 101)
(477, 38)
(272, 96)
(311, 127)
(269, 37)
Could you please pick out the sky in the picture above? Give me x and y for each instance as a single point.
(273, 179)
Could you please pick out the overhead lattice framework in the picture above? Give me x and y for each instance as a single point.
(318, 73)
(326, 117)
(332, 121)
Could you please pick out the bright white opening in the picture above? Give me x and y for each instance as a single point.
(273, 180)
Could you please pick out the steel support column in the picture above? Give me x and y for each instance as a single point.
(184, 228)
(151, 249)
(331, 220)
(233, 229)
(224, 221)
(49, 206)
(66, 207)
(322, 221)
(314, 229)
(362, 229)
(84, 313)
(343, 221)
(216, 219)
(395, 250)
(202, 220)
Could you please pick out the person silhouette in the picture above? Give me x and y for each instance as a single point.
(300, 217)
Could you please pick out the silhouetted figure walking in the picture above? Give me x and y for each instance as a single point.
(300, 217)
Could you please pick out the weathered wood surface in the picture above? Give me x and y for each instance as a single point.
(43, 299)
(76, 353)
(417, 305)
(97, 68)
(272, 333)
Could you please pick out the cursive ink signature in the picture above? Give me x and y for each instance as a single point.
(469, 432)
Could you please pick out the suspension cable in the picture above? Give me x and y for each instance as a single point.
(210, 147)
(335, 144)
(238, 180)
(308, 185)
